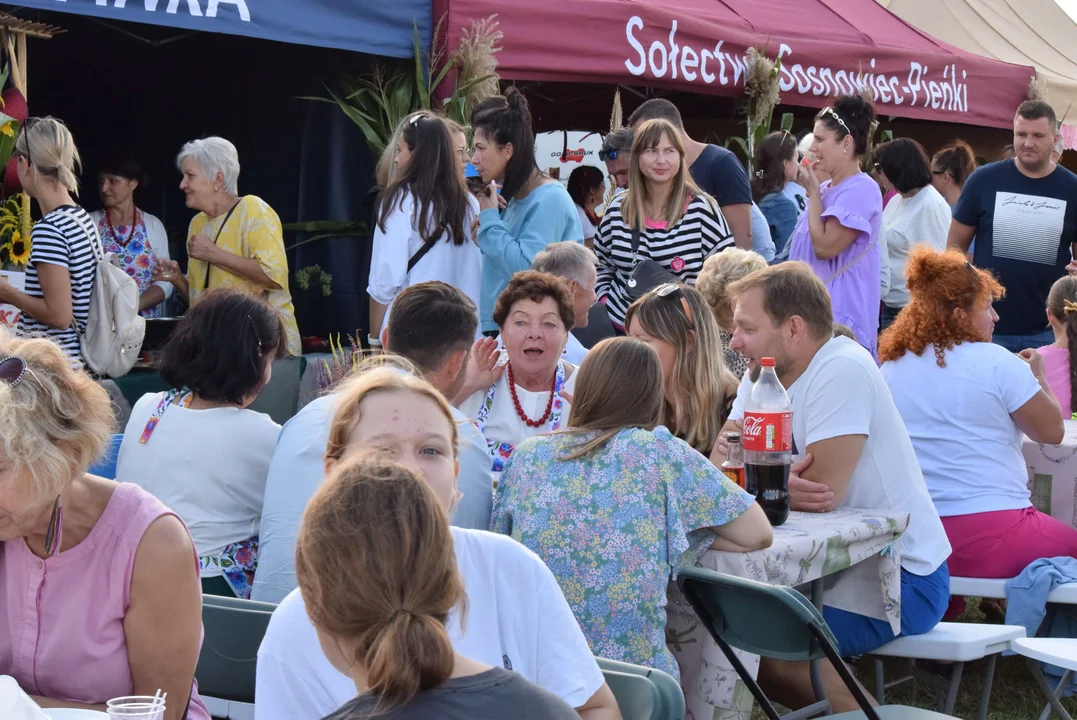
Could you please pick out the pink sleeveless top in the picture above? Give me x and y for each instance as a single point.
(62, 635)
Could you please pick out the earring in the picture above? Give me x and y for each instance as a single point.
(54, 535)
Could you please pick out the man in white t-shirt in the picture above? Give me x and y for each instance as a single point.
(432, 324)
(856, 453)
(517, 618)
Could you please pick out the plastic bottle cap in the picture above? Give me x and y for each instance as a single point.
(767, 362)
(733, 437)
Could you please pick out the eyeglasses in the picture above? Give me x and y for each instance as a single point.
(672, 290)
(830, 111)
(13, 370)
(605, 155)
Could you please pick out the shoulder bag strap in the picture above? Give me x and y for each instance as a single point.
(421, 253)
(95, 244)
(205, 285)
(854, 261)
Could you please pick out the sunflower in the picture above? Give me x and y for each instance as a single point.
(19, 250)
(8, 128)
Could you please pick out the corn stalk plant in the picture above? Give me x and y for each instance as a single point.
(378, 102)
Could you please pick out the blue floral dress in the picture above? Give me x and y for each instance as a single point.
(612, 525)
(131, 246)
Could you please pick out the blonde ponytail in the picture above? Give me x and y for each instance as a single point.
(376, 566)
(50, 148)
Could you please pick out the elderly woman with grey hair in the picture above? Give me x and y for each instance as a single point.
(233, 241)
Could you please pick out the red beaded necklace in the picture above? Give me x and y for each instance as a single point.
(520, 411)
(112, 230)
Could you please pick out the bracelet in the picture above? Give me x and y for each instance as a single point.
(373, 342)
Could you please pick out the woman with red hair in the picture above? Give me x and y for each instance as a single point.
(964, 401)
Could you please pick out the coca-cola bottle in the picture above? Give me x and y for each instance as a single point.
(768, 443)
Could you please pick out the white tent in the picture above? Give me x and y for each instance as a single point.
(1025, 32)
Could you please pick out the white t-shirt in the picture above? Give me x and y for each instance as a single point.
(517, 618)
(842, 392)
(958, 417)
(209, 466)
(503, 424)
(923, 219)
(589, 228)
(457, 265)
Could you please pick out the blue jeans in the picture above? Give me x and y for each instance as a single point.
(924, 599)
(887, 317)
(1017, 343)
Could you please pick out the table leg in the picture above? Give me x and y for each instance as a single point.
(816, 668)
(1048, 692)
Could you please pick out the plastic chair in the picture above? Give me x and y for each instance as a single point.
(775, 622)
(106, 466)
(280, 398)
(643, 693)
(233, 632)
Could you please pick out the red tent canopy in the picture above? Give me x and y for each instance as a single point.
(827, 47)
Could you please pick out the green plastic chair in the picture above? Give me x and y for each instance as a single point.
(775, 622)
(643, 693)
(233, 631)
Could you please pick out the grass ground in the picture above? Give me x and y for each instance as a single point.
(1014, 694)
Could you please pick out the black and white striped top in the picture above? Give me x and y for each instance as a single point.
(681, 249)
(60, 239)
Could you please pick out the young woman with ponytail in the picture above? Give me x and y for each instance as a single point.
(537, 209)
(1060, 358)
(950, 168)
(515, 617)
(376, 566)
(64, 247)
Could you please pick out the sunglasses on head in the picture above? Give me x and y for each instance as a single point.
(605, 155)
(830, 111)
(671, 290)
(13, 369)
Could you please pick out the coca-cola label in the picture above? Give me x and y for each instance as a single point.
(768, 432)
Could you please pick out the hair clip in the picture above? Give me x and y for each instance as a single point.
(1068, 306)
(257, 337)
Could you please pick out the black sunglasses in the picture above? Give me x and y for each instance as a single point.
(12, 370)
(605, 155)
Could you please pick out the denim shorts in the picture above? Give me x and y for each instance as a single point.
(924, 599)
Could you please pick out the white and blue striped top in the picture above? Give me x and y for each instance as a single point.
(60, 238)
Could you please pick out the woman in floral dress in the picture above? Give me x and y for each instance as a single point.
(136, 238)
(617, 502)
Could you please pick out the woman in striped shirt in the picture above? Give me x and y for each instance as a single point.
(63, 249)
(679, 225)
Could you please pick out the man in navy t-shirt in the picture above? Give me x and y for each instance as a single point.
(1023, 213)
(716, 171)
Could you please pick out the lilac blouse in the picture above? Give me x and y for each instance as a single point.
(853, 276)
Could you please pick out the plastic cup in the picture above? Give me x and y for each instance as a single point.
(136, 707)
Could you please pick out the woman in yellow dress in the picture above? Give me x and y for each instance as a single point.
(233, 241)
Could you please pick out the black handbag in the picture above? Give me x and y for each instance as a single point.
(647, 274)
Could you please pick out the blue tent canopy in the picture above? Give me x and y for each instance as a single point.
(376, 27)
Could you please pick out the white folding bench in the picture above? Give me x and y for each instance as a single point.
(960, 643)
(1054, 651)
(956, 643)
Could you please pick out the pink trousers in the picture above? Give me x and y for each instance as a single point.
(1002, 544)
